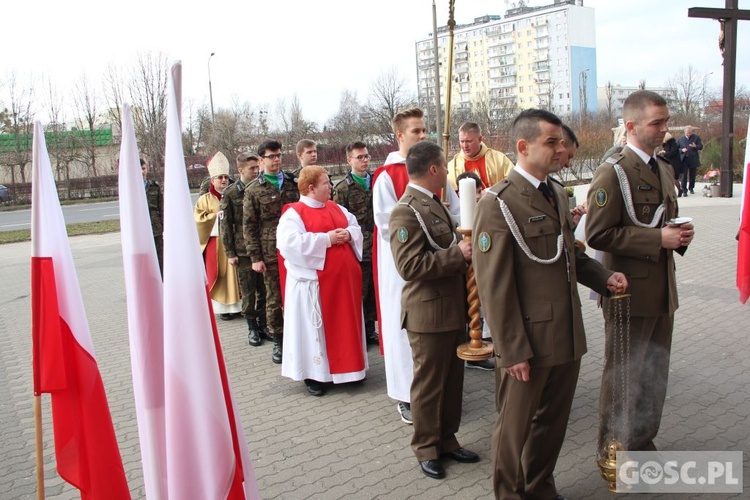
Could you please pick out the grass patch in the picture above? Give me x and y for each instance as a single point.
(78, 229)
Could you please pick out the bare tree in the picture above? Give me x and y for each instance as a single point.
(292, 123)
(388, 95)
(63, 146)
(19, 118)
(148, 92)
(686, 87)
(609, 92)
(232, 129)
(349, 122)
(114, 93)
(86, 103)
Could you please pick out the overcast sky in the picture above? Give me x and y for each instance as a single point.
(267, 49)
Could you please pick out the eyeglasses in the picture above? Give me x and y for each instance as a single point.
(274, 156)
(361, 157)
(222, 177)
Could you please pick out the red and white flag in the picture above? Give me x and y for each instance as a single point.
(64, 364)
(743, 249)
(207, 454)
(143, 288)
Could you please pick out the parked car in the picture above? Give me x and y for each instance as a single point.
(5, 194)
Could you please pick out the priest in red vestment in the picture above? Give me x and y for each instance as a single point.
(491, 166)
(320, 244)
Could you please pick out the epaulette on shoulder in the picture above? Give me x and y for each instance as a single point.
(290, 176)
(339, 182)
(556, 180)
(615, 158)
(498, 188)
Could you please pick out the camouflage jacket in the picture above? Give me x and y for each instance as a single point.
(230, 220)
(261, 213)
(155, 200)
(358, 201)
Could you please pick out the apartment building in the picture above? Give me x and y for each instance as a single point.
(542, 56)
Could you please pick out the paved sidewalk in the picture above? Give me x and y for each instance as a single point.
(350, 443)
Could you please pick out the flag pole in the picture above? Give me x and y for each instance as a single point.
(39, 447)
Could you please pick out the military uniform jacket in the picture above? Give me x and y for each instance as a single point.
(532, 309)
(230, 220)
(433, 298)
(155, 201)
(632, 250)
(261, 212)
(351, 195)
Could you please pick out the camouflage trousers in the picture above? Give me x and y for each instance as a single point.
(274, 314)
(368, 292)
(159, 244)
(252, 289)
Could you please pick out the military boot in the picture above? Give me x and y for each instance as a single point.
(253, 333)
(371, 334)
(278, 347)
(263, 327)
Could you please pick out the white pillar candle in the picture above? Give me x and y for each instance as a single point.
(467, 192)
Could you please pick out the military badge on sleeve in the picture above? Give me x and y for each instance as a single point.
(402, 234)
(484, 242)
(601, 197)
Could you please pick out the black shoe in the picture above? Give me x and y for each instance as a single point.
(225, 316)
(432, 468)
(253, 334)
(263, 327)
(559, 497)
(314, 387)
(371, 334)
(692, 192)
(462, 455)
(277, 349)
(404, 409)
(485, 364)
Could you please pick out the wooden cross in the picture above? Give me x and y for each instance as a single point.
(728, 18)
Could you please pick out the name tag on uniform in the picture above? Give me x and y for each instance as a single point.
(537, 218)
(645, 188)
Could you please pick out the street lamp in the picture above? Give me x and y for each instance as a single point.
(582, 88)
(210, 91)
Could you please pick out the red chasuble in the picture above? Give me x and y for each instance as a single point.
(479, 167)
(340, 284)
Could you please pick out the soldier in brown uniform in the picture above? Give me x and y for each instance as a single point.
(264, 199)
(526, 266)
(354, 192)
(431, 257)
(155, 200)
(230, 218)
(631, 199)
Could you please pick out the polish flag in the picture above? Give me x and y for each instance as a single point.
(64, 364)
(145, 312)
(743, 249)
(207, 454)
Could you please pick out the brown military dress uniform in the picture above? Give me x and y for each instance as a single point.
(433, 312)
(650, 269)
(358, 200)
(261, 212)
(534, 314)
(232, 236)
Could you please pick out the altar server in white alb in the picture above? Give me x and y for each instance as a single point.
(320, 244)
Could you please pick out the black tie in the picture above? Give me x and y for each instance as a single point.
(653, 165)
(547, 192)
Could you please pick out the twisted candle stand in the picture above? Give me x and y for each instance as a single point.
(475, 349)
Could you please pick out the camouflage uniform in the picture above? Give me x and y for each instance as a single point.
(261, 213)
(351, 195)
(155, 200)
(251, 282)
